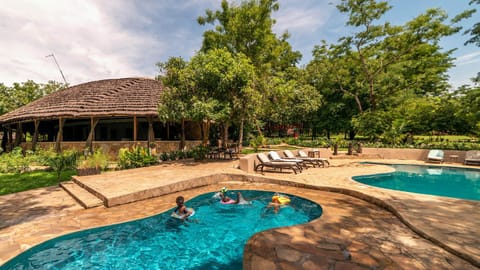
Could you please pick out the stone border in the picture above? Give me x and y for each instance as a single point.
(214, 179)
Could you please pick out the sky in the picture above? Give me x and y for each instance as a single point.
(95, 39)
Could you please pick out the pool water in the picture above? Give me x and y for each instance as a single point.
(213, 239)
(453, 182)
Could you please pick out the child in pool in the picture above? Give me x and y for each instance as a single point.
(278, 201)
(227, 200)
(181, 209)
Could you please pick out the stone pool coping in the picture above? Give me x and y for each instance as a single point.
(449, 223)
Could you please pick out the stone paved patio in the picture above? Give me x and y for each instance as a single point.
(362, 227)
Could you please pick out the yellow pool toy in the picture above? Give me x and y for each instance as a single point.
(280, 199)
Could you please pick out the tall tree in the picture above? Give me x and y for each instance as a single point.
(226, 82)
(175, 101)
(379, 63)
(23, 93)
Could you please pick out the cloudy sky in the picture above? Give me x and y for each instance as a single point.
(95, 39)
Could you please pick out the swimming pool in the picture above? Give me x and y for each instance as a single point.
(214, 239)
(461, 183)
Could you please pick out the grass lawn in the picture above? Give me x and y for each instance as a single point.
(16, 182)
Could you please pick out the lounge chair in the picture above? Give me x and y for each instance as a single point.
(324, 161)
(276, 157)
(266, 162)
(472, 157)
(435, 155)
(308, 160)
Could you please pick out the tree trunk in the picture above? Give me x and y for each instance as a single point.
(182, 136)
(240, 135)
(225, 135)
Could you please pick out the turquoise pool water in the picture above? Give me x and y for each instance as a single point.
(214, 239)
(434, 180)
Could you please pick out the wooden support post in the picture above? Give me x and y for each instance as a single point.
(36, 123)
(91, 134)
(4, 139)
(151, 133)
(135, 128)
(61, 122)
(10, 138)
(18, 135)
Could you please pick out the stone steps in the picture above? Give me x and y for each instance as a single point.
(81, 195)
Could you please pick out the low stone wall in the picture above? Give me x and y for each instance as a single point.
(248, 162)
(112, 147)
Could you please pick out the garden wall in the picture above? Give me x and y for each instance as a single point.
(248, 163)
(112, 147)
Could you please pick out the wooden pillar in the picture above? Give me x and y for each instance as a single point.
(18, 135)
(151, 134)
(91, 134)
(135, 128)
(36, 123)
(4, 139)
(10, 138)
(61, 122)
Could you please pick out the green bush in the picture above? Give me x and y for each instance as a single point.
(164, 156)
(200, 152)
(66, 160)
(16, 161)
(257, 142)
(135, 158)
(98, 160)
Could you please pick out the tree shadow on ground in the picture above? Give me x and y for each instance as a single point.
(27, 206)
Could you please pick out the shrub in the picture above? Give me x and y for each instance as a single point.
(164, 156)
(97, 160)
(135, 158)
(66, 160)
(200, 152)
(15, 161)
(257, 142)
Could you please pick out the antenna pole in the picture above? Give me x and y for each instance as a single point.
(54, 59)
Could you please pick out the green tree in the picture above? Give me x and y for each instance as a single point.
(380, 63)
(247, 28)
(175, 101)
(21, 94)
(224, 88)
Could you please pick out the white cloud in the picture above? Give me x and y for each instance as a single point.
(467, 59)
(302, 17)
(87, 39)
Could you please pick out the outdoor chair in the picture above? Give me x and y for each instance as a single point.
(472, 157)
(308, 160)
(276, 157)
(266, 162)
(324, 161)
(435, 155)
(231, 151)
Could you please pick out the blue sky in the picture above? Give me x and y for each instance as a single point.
(95, 39)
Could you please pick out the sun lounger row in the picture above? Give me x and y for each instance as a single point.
(290, 161)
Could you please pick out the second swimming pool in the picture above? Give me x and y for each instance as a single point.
(453, 182)
(213, 240)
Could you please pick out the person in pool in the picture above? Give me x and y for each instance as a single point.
(224, 199)
(181, 209)
(278, 201)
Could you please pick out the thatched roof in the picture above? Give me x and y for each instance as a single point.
(113, 97)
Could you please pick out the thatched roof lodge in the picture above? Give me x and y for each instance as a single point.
(105, 111)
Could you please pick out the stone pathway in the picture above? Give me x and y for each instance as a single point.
(351, 234)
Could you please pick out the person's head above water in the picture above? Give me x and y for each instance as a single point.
(180, 200)
(223, 190)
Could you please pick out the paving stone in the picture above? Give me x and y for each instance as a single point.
(359, 226)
